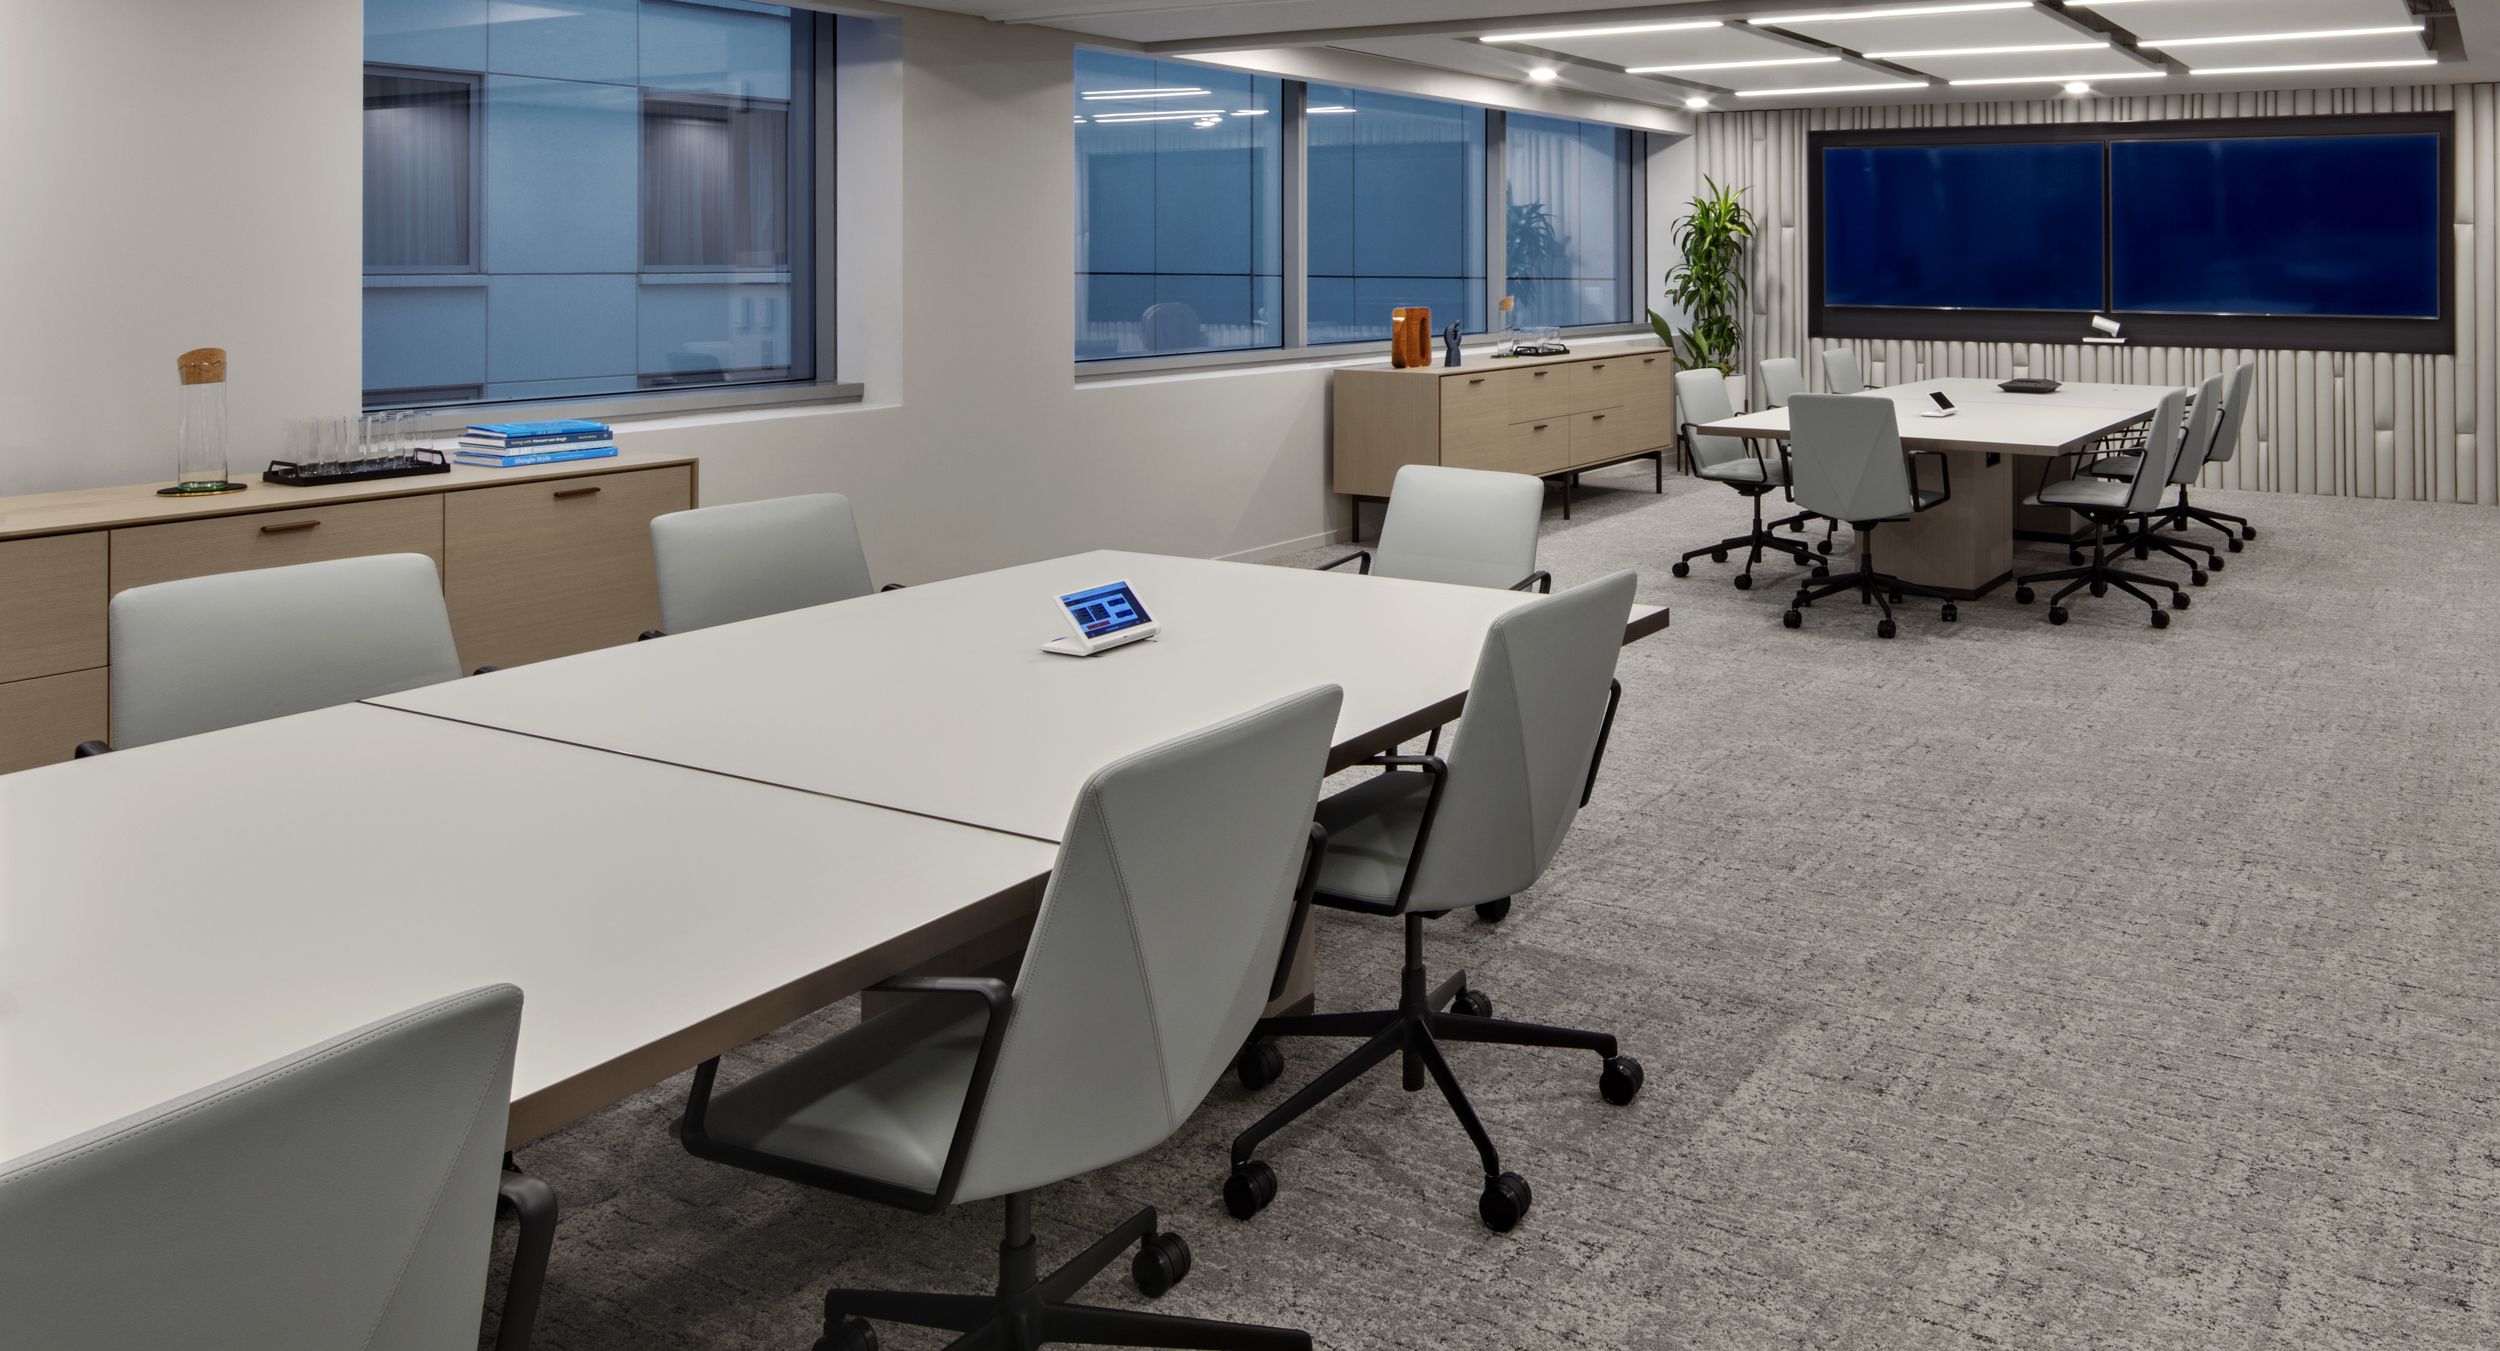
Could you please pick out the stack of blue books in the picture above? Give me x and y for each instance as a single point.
(510, 445)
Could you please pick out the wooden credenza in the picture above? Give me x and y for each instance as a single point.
(1546, 416)
(536, 563)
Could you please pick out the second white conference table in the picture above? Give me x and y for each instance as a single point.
(1998, 448)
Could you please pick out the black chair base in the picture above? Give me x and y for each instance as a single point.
(1880, 589)
(2100, 575)
(1752, 544)
(1030, 1310)
(2235, 529)
(2143, 536)
(1425, 1017)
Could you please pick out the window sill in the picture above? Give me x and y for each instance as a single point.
(658, 403)
(1272, 360)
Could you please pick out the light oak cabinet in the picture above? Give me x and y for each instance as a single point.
(536, 563)
(1547, 416)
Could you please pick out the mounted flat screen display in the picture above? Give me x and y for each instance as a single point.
(2343, 226)
(1975, 227)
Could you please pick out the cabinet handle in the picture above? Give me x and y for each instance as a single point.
(1649, 361)
(1597, 417)
(562, 493)
(288, 528)
(1477, 380)
(1540, 426)
(1540, 374)
(1597, 365)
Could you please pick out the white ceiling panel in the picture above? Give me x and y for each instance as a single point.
(1727, 42)
(2214, 18)
(1942, 27)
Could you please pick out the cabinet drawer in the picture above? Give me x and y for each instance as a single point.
(52, 593)
(1601, 435)
(1475, 419)
(43, 720)
(1602, 383)
(547, 569)
(147, 554)
(1539, 448)
(1539, 392)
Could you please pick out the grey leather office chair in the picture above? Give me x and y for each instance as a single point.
(211, 652)
(1840, 371)
(1429, 835)
(1783, 378)
(1469, 527)
(1845, 452)
(1183, 876)
(2105, 502)
(340, 1197)
(719, 565)
(2237, 397)
(1738, 462)
(2142, 533)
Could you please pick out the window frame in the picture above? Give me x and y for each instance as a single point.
(1298, 349)
(475, 83)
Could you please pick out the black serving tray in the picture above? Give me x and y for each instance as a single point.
(292, 475)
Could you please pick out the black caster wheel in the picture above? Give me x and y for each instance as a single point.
(1822, 572)
(1162, 1262)
(2100, 588)
(1621, 1081)
(2180, 600)
(851, 1334)
(1718, 555)
(1494, 912)
(2197, 577)
(1824, 548)
(2057, 614)
(1796, 527)
(1801, 559)
(2161, 619)
(2180, 526)
(1250, 1189)
(1744, 581)
(1896, 598)
(1260, 1063)
(2246, 531)
(2074, 558)
(1885, 629)
(1504, 1203)
(1792, 620)
(2215, 562)
(2142, 552)
(1472, 1004)
(2023, 595)
(1952, 614)
(2233, 545)
(1682, 569)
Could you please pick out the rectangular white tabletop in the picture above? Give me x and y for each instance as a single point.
(938, 699)
(1990, 419)
(174, 914)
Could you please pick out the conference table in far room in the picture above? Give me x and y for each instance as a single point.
(1999, 448)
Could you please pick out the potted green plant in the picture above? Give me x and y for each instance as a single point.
(1708, 284)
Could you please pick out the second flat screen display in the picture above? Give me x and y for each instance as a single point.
(1993, 227)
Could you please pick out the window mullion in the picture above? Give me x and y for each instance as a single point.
(1497, 215)
(1296, 287)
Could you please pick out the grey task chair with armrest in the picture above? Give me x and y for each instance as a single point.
(1428, 835)
(1738, 462)
(2224, 444)
(2105, 503)
(205, 653)
(2142, 533)
(1472, 527)
(1845, 451)
(1182, 874)
(339, 1197)
(1840, 372)
(1784, 378)
(744, 560)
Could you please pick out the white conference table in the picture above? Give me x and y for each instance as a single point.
(1999, 447)
(174, 914)
(938, 699)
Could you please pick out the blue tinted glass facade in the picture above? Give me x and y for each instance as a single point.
(1569, 221)
(585, 199)
(1998, 227)
(1179, 208)
(1396, 211)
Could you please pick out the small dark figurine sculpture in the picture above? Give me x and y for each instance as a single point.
(1449, 336)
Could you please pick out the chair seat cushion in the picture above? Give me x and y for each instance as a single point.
(880, 1100)
(2115, 466)
(1745, 469)
(1371, 833)
(2089, 493)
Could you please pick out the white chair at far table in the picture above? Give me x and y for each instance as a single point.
(206, 653)
(343, 1196)
(1784, 378)
(1183, 877)
(1840, 372)
(1471, 527)
(745, 560)
(1701, 399)
(1846, 454)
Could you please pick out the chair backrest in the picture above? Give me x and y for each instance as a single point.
(1701, 397)
(1519, 760)
(1155, 946)
(209, 652)
(1475, 527)
(341, 1197)
(1845, 457)
(1840, 371)
(1782, 377)
(719, 565)
(2235, 403)
(2161, 453)
(2198, 441)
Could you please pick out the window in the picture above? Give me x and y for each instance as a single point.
(1179, 208)
(1569, 246)
(586, 200)
(1396, 209)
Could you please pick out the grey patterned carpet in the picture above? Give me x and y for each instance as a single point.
(2001, 985)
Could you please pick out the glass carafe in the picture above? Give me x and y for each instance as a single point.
(202, 465)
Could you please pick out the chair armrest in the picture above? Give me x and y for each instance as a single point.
(1302, 893)
(995, 999)
(1539, 581)
(1365, 555)
(1944, 464)
(89, 749)
(890, 586)
(649, 634)
(1606, 729)
(1439, 769)
(1430, 764)
(485, 670)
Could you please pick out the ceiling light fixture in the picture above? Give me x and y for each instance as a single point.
(1544, 74)
(1326, 108)
(1249, 112)
(1696, 101)
(2322, 65)
(2078, 88)
(1833, 89)
(1605, 31)
(1894, 12)
(1182, 115)
(2065, 79)
(1115, 95)
(1732, 65)
(2319, 33)
(1990, 51)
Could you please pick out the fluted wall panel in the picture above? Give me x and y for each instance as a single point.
(2363, 424)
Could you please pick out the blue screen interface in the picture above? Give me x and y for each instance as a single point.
(1105, 609)
(1984, 227)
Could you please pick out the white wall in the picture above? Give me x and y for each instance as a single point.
(976, 448)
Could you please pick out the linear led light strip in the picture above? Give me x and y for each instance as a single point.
(2067, 79)
(2321, 65)
(1176, 115)
(1990, 51)
(2390, 31)
(1891, 12)
(1605, 31)
(1832, 89)
(1733, 65)
(1110, 95)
